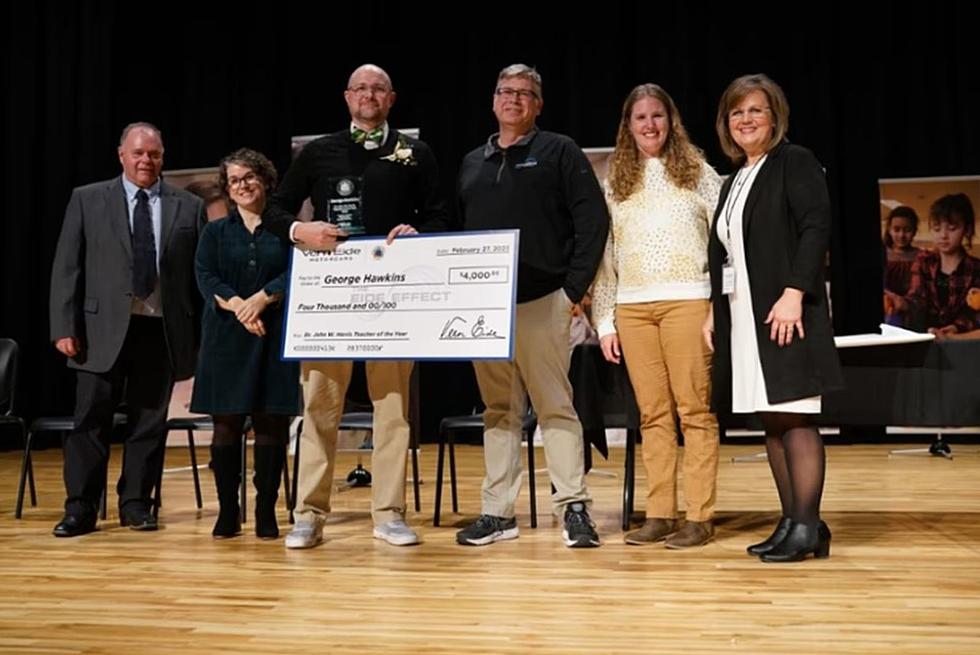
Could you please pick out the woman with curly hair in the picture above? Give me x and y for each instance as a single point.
(650, 299)
(241, 272)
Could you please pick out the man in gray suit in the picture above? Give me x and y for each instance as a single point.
(125, 311)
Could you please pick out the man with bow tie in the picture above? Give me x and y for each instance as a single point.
(366, 179)
(125, 310)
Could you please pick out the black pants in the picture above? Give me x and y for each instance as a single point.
(141, 375)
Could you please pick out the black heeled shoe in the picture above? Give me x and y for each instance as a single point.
(782, 529)
(802, 540)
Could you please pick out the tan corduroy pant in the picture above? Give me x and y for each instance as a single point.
(670, 369)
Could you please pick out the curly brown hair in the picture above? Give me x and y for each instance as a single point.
(253, 160)
(682, 159)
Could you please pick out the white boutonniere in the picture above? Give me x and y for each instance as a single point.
(403, 153)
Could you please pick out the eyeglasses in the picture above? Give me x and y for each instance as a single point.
(248, 180)
(515, 94)
(364, 89)
(752, 113)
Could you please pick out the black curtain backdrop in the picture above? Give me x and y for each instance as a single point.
(888, 96)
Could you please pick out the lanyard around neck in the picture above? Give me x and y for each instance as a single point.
(737, 185)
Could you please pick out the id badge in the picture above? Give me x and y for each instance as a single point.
(727, 279)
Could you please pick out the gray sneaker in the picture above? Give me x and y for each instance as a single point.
(396, 533)
(305, 534)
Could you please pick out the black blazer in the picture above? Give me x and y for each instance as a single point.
(92, 282)
(786, 230)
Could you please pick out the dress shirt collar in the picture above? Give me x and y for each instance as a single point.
(132, 189)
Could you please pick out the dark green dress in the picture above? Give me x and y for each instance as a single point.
(238, 372)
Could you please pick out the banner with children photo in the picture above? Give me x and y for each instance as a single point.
(932, 270)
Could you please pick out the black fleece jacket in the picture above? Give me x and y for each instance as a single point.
(544, 186)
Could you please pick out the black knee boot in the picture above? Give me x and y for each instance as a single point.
(226, 461)
(268, 471)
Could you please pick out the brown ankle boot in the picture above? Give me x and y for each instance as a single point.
(693, 533)
(653, 530)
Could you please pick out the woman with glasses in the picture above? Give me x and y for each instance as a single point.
(241, 272)
(774, 353)
(650, 300)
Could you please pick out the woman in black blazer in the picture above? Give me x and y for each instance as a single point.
(770, 328)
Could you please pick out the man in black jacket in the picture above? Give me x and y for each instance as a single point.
(125, 310)
(365, 179)
(541, 183)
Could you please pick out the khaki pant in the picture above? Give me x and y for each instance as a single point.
(670, 369)
(324, 390)
(539, 370)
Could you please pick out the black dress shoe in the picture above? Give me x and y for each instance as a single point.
(137, 518)
(782, 529)
(801, 541)
(74, 525)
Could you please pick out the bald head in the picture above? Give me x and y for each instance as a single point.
(369, 96)
(376, 70)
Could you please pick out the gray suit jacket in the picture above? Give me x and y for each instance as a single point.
(91, 280)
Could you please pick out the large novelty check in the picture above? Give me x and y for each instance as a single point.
(444, 296)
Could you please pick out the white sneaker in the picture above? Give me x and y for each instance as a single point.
(396, 533)
(305, 534)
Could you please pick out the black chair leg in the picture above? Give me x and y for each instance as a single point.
(25, 466)
(299, 439)
(440, 460)
(413, 444)
(103, 503)
(452, 472)
(30, 480)
(30, 467)
(157, 486)
(192, 447)
(532, 490)
(286, 488)
(628, 478)
(636, 436)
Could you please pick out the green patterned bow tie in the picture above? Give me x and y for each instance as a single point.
(361, 136)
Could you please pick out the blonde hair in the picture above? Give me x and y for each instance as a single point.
(682, 160)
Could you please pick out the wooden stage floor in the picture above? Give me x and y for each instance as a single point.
(903, 576)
